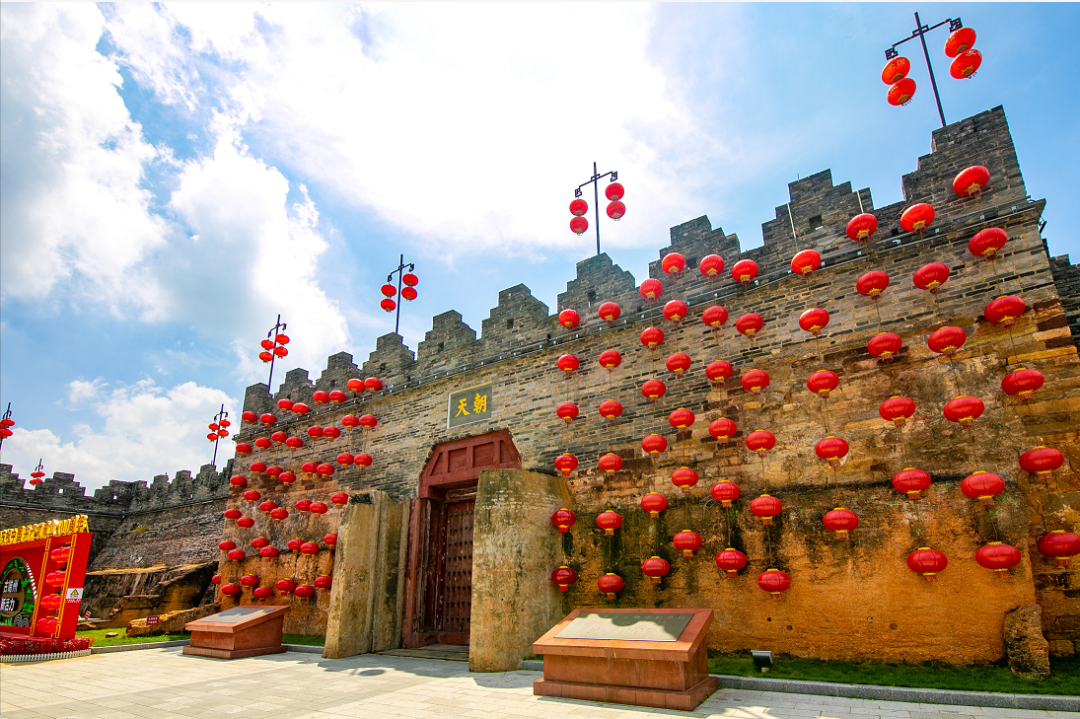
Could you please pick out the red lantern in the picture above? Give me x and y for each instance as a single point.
(368, 421)
(308, 468)
(964, 410)
(388, 305)
(678, 363)
(615, 210)
(243, 448)
(681, 419)
(236, 555)
(901, 92)
(355, 385)
(300, 408)
(805, 262)
(774, 582)
(651, 289)
(832, 450)
(911, 481)
(269, 552)
(238, 480)
(946, 340)
(303, 506)
(579, 225)
(227, 545)
(304, 592)
(281, 352)
(323, 582)
(258, 467)
(614, 191)
(410, 279)
(715, 316)
(1060, 545)
(725, 493)
(566, 463)
(279, 514)
(262, 592)
(822, 382)
(684, 478)
(249, 580)
(730, 561)
(351, 421)
(749, 324)
(998, 557)
(285, 586)
(339, 498)
(653, 389)
(654, 504)
(755, 380)
(569, 319)
(373, 384)
(760, 441)
(230, 589)
(1005, 310)
(563, 577)
(295, 544)
(983, 486)
(216, 579)
(578, 207)
(266, 356)
(61, 554)
(959, 41)
(927, 562)
(971, 181)
(609, 359)
(917, 218)
(719, 371)
(932, 276)
(722, 429)
(315, 432)
(273, 471)
(654, 444)
(652, 337)
(567, 411)
(388, 290)
(813, 320)
(330, 539)
(744, 271)
(321, 397)
(897, 410)
(872, 284)
(249, 416)
(212, 436)
(895, 70)
(610, 463)
(675, 310)
(232, 514)
(337, 396)
(610, 410)
(245, 523)
(673, 263)
(861, 227)
(268, 505)
(711, 265)
(263, 443)
(655, 569)
(841, 521)
(966, 64)
(362, 460)
(1041, 461)
(1022, 382)
(309, 548)
(609, 312)
(609, 521)
(610, 584)
(325, 469)
(988, 242)
(279, 437)
(268, 419)
(567, 363)
(766, 507)
(687, 542)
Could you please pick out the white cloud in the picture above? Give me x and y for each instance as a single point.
(81, 390)
(71, 160)
(142, 430)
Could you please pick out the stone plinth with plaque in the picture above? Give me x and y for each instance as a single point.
(244, 631)
(644, 657)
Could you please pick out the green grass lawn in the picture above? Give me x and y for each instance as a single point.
(305, 639)
(98, 635)
(1065, 677)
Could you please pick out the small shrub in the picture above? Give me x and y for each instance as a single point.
(139, 529)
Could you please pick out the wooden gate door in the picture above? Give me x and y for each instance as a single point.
(438, 603)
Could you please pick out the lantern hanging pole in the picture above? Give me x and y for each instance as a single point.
(400, 272)
(7, 415)
(217, 420)
(595, 181)
(919, 32)
(278, 327)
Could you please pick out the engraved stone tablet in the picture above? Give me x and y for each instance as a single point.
(238, 614)
(639, 627)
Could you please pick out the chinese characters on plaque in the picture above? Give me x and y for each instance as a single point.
(469, 405)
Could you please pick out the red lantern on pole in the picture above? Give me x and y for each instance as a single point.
(927, 562)
(722, 429)
(840, 521)
(971, 181)
(749, 324)
(755, 380)
(805, 262)
(711, 266)
(675, 310)
(654, 504)
(895, 70)
(615, 210)
(983, 486)
(744, 271)
(917, 218)
(1005, 310)
(609, 312)
(964, 410)
(681, 419)
(966, 64)
(651, 289)
(610, 410)
(684, 478)
(897, 410)
(578, 207)
(719, 372)
(687, 542)
(912, 482)
(959, 41)
(563, 577)
(725, 493)
(987, 243)
(673, 263)
(832, 450)
(822, 382)
(655, 569)
(931, 277)
(609, 359)
(566, 463)
(579, 225)
(653, 390)
(766, 507)
(946, 340)
(774, 582)
(1041, 461)
(678, 363)
(999, 557)
(609, 521)
(1062, 546)
(760, 441)
(654, 444)
(610, 584)
(610, 463)
(730, 561)
(1022, 382)
(861, 227)
(901, 92)
(814, 320)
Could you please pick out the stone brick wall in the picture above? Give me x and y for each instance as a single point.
(1067, 279)
(958, 618)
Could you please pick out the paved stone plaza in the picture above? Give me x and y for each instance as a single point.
(163, 684)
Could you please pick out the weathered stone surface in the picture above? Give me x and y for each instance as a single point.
(117, 596)
(1027, 649)
(513, 600)
(170, 622)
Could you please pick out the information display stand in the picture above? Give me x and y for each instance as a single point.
(643, 657)
(244, 631)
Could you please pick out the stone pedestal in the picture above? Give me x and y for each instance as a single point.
(243, 631)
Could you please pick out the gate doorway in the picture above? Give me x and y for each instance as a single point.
(438, 600)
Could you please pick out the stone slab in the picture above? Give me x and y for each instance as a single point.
(232, 653)
(685, 700)
(643, 627)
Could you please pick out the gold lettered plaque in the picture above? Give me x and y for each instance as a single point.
(469, 405)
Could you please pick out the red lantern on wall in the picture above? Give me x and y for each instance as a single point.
(262, 443)
(325, 469)
(249, 416)
(566, 463)
(722, 429)
(236, 555)
(987, 243)
(719, 371)
(610, 463)
(373, 384)
(609, 521)
(230, 589)
(971, 181)
(362, 460)
(1022, 382)
(563, 577)
(684, 478)
(609, 359)
(308, 468)
(268, 505)
(303, 506)
(563, 519)
(245, 523)
(318, 508)
(300, 408)
(749, 324)
(309, 548)
(832, 450)
(610, 584)
(1041, 461)
(355, 385)
(755, 380)
(279, 514)
(814, 320)
(227, 545)
(340, 499)
(931, 277)
(651, 289)
(569, 319)
(744, 271)
(654, 444)
(895, 70)
(774, 582)
(567, 363)
(841, 521)
(822, 382)
(243, 448)
(725, 492)
(610, 410)
(927, 562)
(760, 441)
(715, 316)
(911, 481)
(232, 514)
(330, 539)
(304, 592)
(294, 544)
(999, 557)
(964, 410)
(367, 421)
(285, 586)
(897, 410)
(1005, 310)
(654, 504)
(652, 337)
(711, 266)
(805, 262)
(249, 580)
(675, 310)
(653, 390)
(269, 552)
(917, 218)
(681, 419)
(687, 542)
(766, 507)
(323, 582)
(872, 284)
(946, 340)
(655, 569)
(567, 412)
(884, 345)
(983, 486)
(861, 227)
(730, 561)
(321, 397)
(678, 363)
(673, 263)
(1062, 546)
(609, 312)
(267, 418)
(901, 92)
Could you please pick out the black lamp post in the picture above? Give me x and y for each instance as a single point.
(595, 182)
(919, 32)
(218, 430)
(274, 347)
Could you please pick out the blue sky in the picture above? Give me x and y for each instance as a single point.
(173, 176)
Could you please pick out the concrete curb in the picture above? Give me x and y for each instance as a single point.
(885, 693)
(304, 648)
(183, 643)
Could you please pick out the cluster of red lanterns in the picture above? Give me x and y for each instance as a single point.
(274, 347)
(959, 46)
(5, 427)
(615, 209)
(55, 579)
(408, 292)
(303, 592)
(218, 430)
